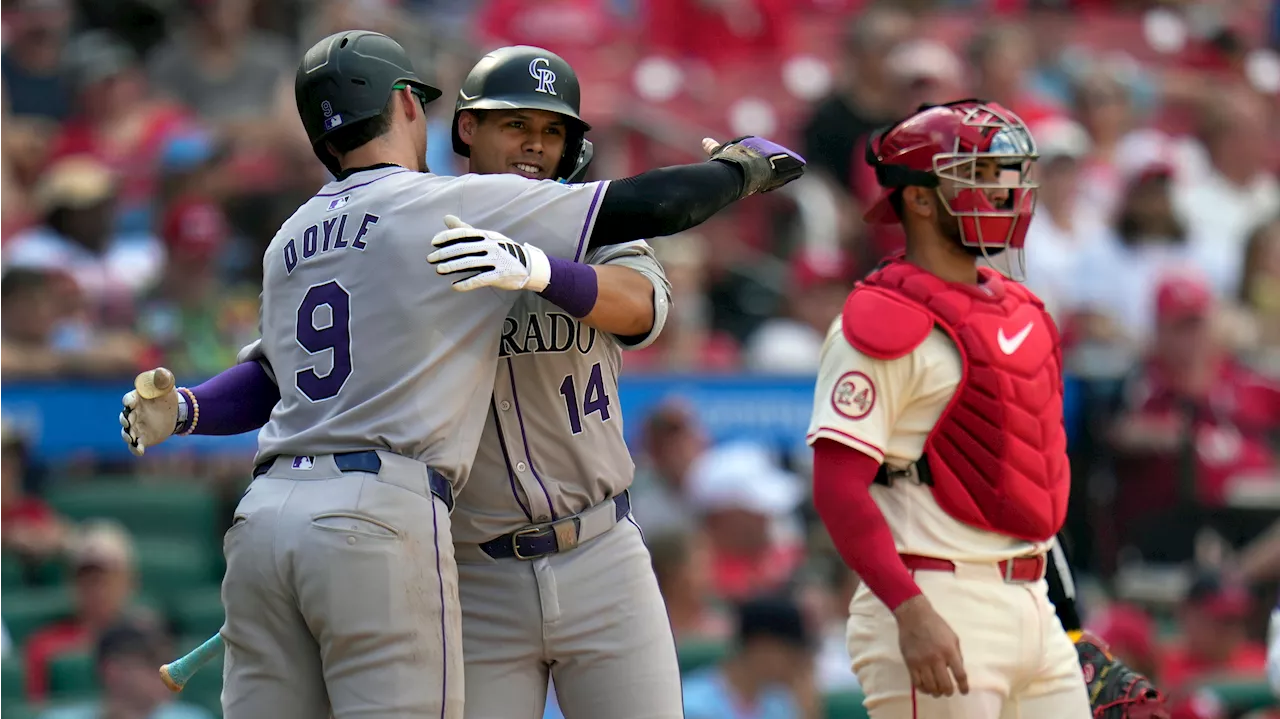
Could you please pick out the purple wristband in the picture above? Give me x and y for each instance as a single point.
(239, 399)
(573, 287)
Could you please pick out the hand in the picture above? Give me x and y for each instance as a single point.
(495, 259)
(930, 648)
(150, 413)
(766, 165)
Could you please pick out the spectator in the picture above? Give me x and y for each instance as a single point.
(688, 341)
(102, 589)
(126, 657)
(76, 200)
(864, 99)
(1001, 55)
(32, 303)
(220, 66)
(24, 149)
(35, 36)
(1235, 191)
(1131, 635)
(720, 33)
(671, 441)
(1194, 423)
(1104, 107)
(1259, 295)
(682, 563)
(1214, 641)
(196, 326)
(769, 675)
(1062, 226)
(924, 72)
(115, 119)
(1117, 276)
(747, 504)
(30, 529)
(819, 284)
(834, 670)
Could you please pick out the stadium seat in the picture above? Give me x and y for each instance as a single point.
(172, 508)
(168, 567)
(845, 705)
(697, 655)
(1243, 696)
(72, 676)
(10, 573)
(26, 610)
(198, 612)
(12, 683)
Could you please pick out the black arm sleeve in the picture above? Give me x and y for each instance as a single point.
(1062, 587)
(664, 201)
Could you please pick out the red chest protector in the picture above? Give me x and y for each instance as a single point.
(997, 458)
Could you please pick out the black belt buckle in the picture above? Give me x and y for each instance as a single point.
(529, 532)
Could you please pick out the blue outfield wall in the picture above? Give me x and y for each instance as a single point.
(65, 418)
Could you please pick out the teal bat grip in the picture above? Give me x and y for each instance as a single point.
(179, 672)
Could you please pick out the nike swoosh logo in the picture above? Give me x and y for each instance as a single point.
(1009, 345)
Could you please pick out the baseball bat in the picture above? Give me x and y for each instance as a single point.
(176, 674)
(153, 383)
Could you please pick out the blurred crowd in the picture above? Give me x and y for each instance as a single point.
(150, 148)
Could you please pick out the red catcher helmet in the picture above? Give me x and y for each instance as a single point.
(944, 142)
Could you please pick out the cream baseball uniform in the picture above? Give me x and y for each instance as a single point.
(1020, 662)
(553, 451)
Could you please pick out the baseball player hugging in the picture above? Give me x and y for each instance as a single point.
(358, 570)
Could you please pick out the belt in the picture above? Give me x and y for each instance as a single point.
(540, 540)
(1018, 569)
(369, 461)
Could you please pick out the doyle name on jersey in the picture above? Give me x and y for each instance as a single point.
(538, 332)
(335, 237)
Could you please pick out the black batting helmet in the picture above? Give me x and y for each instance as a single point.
(348, 77)
(523, 77)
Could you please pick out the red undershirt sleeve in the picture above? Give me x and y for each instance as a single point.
(842, 478)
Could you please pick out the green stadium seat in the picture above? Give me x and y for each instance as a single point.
(13, 688)
(1244, 695)
(168, 567)
(31, 608)
(697, 655)
(72, 676)
(10, 573)
(173, 508)
(845, 705)
(198, 612)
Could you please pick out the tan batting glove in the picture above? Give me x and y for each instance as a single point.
(150, 413)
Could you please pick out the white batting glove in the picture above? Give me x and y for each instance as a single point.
(147, 422)
(494, 259)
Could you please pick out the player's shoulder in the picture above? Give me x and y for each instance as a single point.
(508, 184)
(882, 324)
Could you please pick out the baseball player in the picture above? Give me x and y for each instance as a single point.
(552, 471)
(372, 378)
(940, 465)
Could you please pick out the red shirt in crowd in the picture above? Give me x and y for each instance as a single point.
(1231, 426)
(1180, 669)
(48, 644)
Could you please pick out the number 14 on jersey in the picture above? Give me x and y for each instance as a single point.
(595, 399)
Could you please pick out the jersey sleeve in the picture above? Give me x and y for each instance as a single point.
(552, 216)
(253, 352)
(640, 257)
(858, 398)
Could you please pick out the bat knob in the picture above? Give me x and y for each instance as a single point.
(153, 384)
(168, 680)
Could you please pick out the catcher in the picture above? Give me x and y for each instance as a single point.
(940, 465)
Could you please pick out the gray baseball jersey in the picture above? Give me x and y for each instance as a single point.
(370, 347)
(553, 444)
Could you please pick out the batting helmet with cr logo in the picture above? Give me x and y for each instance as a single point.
(522, 77)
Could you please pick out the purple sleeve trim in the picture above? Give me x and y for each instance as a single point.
(573, 287)
(237, 400)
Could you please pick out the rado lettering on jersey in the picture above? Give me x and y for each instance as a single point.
(333, 231)
(550, 332)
